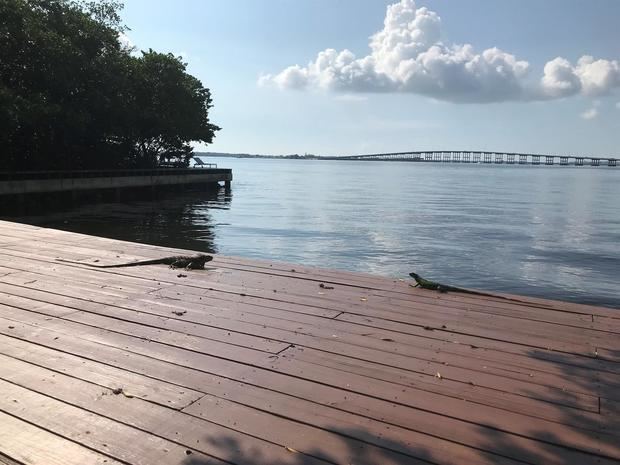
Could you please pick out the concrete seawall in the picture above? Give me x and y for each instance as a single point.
(43, 182)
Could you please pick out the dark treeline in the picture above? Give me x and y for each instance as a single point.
(72, 97)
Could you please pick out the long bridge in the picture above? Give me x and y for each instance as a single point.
(484, 157)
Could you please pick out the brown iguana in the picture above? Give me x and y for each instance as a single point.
(196, 262)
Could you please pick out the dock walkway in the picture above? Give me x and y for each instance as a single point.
(262, 363)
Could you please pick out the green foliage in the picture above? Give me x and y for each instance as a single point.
(72, 98)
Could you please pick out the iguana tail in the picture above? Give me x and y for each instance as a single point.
(81, 263)
(122, 265)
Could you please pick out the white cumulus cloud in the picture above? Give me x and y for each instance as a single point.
(589, 77)
(590, 113)
(559, 79)
(408, 55)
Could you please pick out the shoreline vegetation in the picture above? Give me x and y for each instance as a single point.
(293, 156)
(74, 97)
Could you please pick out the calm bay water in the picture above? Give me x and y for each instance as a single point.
(550, 232)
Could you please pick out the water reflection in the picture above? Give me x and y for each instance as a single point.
(180, 220)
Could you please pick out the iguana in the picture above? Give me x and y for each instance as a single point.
(196, 262)
(433, 286)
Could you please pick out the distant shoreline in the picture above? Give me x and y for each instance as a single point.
(249, 155)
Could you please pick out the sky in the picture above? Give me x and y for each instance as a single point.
(369, 76)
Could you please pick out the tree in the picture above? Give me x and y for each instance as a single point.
(72, 98)
(169, 108)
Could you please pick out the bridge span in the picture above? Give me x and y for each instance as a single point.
(483, 157)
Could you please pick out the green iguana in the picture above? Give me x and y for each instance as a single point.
(188, 262)
(433, 286)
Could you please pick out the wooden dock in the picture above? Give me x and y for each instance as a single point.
(262, 363)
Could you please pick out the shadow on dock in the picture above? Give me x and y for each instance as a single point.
(391, 453)
(594, 438)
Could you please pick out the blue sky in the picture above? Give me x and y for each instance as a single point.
(418, 88)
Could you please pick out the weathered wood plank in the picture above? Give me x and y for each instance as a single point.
(25, 443)
(366, 428)
(474, 374)
(170, 431)
(482, 374)
(459, 388)
(535, 333)
(107, 376)
(356, 346)
(438, 405)
(105, 436)
(199, 299)
(394, 414)
(369, 370)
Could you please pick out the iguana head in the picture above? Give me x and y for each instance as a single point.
(201, 259)
(414, 275)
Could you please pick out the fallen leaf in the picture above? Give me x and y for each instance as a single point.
(438, 375)
(363, 299)
(290, 449)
